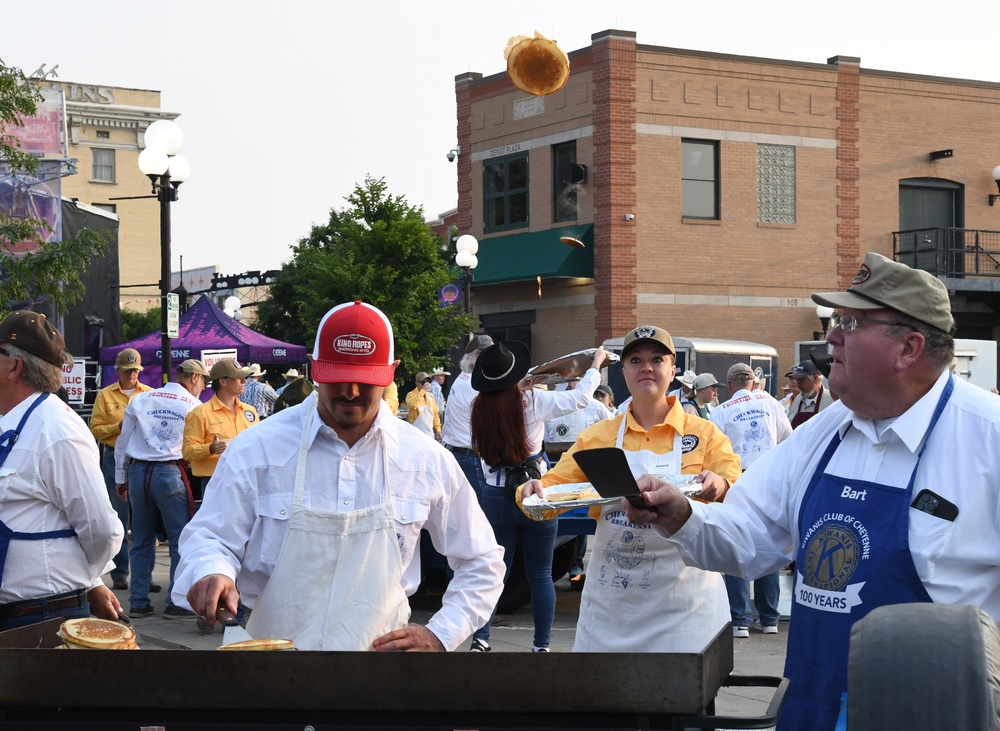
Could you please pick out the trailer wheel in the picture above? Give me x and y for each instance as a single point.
(924, 666)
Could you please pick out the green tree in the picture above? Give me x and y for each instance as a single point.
(53, 269)
(136, 324)
(380, 251)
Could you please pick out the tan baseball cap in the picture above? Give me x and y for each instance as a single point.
(193, 366)
(228, 368)
(648, 334)
(883, 283)
(129, 360)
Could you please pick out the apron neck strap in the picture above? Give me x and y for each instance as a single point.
(9, 437)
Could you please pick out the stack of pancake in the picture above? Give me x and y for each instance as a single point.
(90, 633)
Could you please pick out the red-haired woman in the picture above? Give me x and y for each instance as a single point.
(508, 425)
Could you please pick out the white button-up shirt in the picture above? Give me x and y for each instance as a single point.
(52, 481)
(457, 431)
(238, 531)
(756, 530)
(153, 427)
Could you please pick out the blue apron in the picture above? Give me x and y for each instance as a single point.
(853, 556)
(7, 441)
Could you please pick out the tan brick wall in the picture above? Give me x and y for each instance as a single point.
(856, 134)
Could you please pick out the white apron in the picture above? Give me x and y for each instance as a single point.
(639, 595)
(336, 584)
(425, 418)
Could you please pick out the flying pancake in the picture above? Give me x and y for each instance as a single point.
(536, 65)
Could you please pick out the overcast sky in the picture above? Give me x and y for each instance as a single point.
(286, 106)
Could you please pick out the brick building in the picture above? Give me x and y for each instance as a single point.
(714, 193)
(105, 127)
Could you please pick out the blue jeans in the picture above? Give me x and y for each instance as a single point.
(766, 592)
(45, 615)
(473, 469)
(167, 497)
(120, 571)
(537, 540)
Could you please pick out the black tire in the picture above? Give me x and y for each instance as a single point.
(923, 666)
(516, 592)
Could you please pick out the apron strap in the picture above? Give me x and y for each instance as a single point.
(9, 437)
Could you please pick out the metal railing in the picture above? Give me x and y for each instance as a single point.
(960, 253)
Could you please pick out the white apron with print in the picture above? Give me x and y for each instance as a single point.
(336, 584)
(639, 595)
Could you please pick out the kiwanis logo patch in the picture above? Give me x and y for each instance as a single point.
(689, 443)
(832, 550)
(250, 416)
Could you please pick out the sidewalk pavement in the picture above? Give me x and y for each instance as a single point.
(759, 655)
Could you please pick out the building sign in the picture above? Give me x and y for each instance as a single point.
(73, 378)
(42, 133)
(505, 150)
(90, 94)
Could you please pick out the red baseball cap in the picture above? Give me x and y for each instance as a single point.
(354, 345)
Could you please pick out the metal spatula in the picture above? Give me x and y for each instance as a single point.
(233, 632)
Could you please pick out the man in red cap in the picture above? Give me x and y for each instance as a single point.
(317, 514)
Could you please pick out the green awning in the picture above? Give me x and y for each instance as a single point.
(526, 256)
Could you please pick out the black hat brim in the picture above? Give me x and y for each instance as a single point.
(484, 377)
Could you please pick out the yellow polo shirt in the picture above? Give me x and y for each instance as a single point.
(109, 410)
(704, 447)
(207, 421)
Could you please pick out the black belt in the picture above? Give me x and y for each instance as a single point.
(37, 606)
(152, 461)
(461, 450)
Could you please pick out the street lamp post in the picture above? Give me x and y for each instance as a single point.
(824, 314)
(467, 246)
(166, 170)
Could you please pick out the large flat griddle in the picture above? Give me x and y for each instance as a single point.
(202, 689)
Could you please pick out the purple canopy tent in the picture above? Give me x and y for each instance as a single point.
(203, 327)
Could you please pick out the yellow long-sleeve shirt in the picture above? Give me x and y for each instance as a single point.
(109, 409)
(210, 420)
(705, 447)
(419, 399)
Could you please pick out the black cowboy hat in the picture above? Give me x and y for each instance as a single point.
(500, 366)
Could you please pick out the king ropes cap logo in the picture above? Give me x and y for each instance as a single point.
(355, 345)
(864, 274)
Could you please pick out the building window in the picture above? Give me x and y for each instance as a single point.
(505, 193)
(563, 189)
(103, 134)
(699, 179)
(776, 183)
(104, 166)
(109, 207)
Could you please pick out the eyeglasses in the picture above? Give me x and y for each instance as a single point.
(849, 323)
(426, 380)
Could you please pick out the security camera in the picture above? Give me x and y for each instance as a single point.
(453, 153)
(451, 156)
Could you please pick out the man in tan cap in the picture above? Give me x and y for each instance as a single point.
(106, 425)
(58, 531)
(210, 428)
(889, 496)
(423, 410)
(149, 475)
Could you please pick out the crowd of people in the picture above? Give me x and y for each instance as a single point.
(257, 501)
